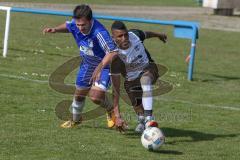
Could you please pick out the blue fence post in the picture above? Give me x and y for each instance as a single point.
(192, 53)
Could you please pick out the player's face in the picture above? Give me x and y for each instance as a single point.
(84, 25)
(121, 38)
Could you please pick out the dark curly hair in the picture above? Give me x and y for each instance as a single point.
(81, 11)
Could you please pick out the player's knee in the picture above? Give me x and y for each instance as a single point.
(96, 96)
(79, 98)
(80, 95)
(145, 80)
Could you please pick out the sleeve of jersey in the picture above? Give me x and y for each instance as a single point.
(139, 33)
(70, 25)
(106, 42)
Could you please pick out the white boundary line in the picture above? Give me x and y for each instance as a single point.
(198, 104)
(22, 78)
(237, 108)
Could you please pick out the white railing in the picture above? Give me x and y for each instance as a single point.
(5, 47)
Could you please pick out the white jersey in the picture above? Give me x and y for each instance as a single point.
(135, 57)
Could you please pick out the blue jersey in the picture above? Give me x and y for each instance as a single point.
(93, 46)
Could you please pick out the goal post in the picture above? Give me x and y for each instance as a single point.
(7, 26)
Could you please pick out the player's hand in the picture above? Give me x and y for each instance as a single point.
(121, 125)
(96, 75)
(163, 37)
(49, 30)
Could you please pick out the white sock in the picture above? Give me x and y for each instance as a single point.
(77, 108)
(147, 100)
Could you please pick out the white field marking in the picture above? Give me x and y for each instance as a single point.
(234, 108)
(29, 79)
(157, 98)
(23, 78)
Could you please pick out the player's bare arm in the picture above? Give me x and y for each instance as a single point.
(61, 29)
(116, 80)
(121, 125)
(161, 36)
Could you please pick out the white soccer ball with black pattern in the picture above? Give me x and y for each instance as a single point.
(152, 138)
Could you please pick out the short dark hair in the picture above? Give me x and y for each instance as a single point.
(119, 25)
(81, 11)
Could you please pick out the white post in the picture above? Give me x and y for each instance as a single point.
(5, 47)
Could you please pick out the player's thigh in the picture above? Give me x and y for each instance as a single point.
(150, 71)
(98, 89)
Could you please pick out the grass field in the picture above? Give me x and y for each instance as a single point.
(122, 2)
(200, 119)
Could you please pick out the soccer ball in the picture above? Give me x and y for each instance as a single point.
(152, 138)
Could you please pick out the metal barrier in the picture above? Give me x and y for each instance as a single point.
(182, 29)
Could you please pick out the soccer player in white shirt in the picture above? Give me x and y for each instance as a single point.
(139, 70)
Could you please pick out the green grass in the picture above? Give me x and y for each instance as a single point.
(193, 117)
(122, 2)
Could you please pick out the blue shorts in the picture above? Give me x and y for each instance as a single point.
(85, 73)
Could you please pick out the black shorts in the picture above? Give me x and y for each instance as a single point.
(134, 89)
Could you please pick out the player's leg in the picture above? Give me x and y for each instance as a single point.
(98, 95)
(76, 108)
(82, 89)
(147, 79)
(78, 103)
(134, 91)
(147, 99)
(141, 119)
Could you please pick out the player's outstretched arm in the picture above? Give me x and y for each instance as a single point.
(121, 125)
(116, 81)
(161, 36)
(61, 29)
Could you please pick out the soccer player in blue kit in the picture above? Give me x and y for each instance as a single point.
(94, 43)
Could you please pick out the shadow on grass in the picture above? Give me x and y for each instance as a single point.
(168, 152)
(187, 136)
(195, 135)
(216, 78)
(95, 125)
(131, 134)
(211, 77)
